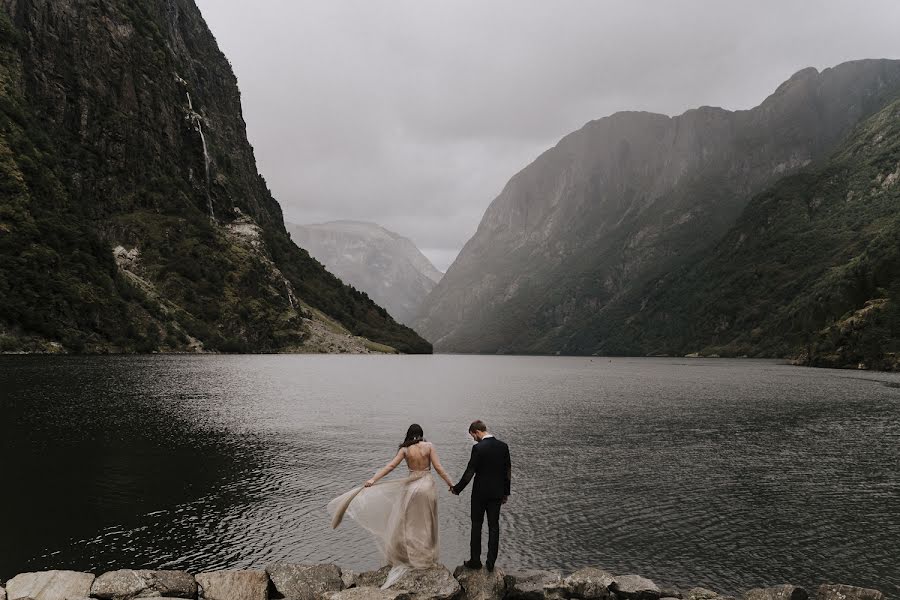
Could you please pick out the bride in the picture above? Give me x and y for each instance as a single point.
(400, 513)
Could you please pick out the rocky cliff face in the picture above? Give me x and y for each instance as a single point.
(132, 216)
(561, 251)
(811, 269)
(386, 266)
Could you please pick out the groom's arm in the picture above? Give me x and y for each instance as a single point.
(470, 472)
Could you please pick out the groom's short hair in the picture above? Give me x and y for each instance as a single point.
(477, 426)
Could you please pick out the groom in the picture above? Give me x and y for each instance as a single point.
(492, 469)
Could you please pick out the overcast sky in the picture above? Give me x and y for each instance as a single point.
(414, 113)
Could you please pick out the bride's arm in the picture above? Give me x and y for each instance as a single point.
(439, 468)
(388, 467)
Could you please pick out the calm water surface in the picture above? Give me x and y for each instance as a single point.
(726, 474)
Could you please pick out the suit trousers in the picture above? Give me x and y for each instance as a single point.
(491, 507)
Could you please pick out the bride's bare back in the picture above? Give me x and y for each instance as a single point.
(419, 457)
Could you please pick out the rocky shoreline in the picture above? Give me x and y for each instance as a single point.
(289, 581)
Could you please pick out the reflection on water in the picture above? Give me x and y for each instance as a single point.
(727, 474)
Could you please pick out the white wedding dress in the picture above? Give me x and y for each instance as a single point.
(401, 514)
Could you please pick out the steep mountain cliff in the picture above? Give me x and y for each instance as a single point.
(811, 269)
(386, 266)
(571, 238)
(132, 215)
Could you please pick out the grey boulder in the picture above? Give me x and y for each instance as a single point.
(433, 583)
(847, 592)
(481, 584)
(367, 593)
(778, 592)
(304, 582)
(251, 584)
(49, 585)
(699, 593)
(126, 584)
(350, 578)
(635, 587)
(589, 583)
(534, 584)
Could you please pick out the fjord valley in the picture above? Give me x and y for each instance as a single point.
(132, 214)
(764, 232)
(388, 267)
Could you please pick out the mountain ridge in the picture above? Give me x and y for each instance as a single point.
(626, 197)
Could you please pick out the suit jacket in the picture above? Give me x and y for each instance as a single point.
(492, 469)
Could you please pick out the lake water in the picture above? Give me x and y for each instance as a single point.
(723, 473)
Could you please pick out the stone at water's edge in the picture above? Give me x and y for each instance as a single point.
(251, 584)
(847, 592)
(635, 587)
(304, 582)
(589, 583)
(670, 593)
(778, 592)
(435, 583)
(368, 593)
(349, 578)
(126, 584)
(49, 585)
(534, 585)
(699, 593)
(481, 584)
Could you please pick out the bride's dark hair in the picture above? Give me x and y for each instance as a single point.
(414, 435)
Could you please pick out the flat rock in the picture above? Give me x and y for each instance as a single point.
(304, 582)
(778, 592)
(434, 583)
(534, 585)
(670, 592)
(350, 578)
(846, 592)
(481, 584)
(126, 584)
(635, 587)
(590, 583)
(251, 584)
(49, 585)
(699, 593)
(367, 593)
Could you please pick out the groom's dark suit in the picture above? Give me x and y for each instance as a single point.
(491, 466)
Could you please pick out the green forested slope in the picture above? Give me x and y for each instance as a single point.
(132, 216)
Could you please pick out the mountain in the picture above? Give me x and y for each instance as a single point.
(386, 266)
(132, 215)
(566, 248)
(811, 269)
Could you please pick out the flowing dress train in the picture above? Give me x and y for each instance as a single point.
(401, 514)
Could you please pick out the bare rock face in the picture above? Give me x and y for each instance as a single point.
(481, 584)
(234, 585)
(847, 592)
(635, 587)
(304, 582)
(779, 592)
(126, 584)
(590, 583)
(367, 593)
(534, 585)
(435, 583)
(49, 585)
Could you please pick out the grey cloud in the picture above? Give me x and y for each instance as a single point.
(414, 114)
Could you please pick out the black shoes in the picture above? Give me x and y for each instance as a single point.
(471, 564)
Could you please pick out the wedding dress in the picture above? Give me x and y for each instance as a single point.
(401, 514)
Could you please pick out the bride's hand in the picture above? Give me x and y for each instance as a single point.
(370, 483)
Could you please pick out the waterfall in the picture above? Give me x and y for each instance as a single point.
(197, 121)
